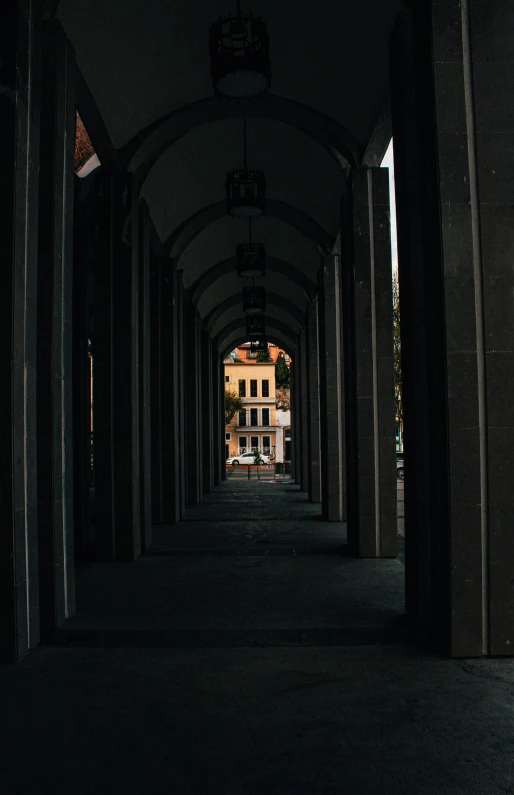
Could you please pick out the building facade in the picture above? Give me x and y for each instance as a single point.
(254, 428)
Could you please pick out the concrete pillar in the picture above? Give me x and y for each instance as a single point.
(116, 383)
(453, 160)
(222, 419)
(218, 439)
(376, 533)
(54, 338)
(164, 394)
(303, 410)
(19, 168)
(296, 420)
(313, 410)
(182, 397)
(83, 334)
(207, 406)
(331, 397)
(145, 468)
(193, 377)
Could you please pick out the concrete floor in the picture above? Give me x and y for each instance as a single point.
(247, 654)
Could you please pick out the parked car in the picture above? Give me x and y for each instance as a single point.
(247, 459)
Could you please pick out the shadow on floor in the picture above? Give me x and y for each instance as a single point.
(246, 654)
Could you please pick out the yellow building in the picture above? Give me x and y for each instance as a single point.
(255, 427)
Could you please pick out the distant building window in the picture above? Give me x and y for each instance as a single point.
(265, 416)
(227, 378)
(228, 437)
(242, 444)
(287, 357)
(265, 388)
(251, 354)
(254, 442)
(253, 388)
(242, 388)
(266, 444)
(253, 417)
(242, 418)
(288, 433)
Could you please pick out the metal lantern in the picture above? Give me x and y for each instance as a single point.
(251, 260)
(254, 300)
(255, 326)
(240, 61)
(259, 346)
(246, 193)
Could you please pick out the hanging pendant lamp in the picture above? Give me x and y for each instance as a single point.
(240, 60)
(246, 189)
(251, 258)
(255, 326)
(254, 300)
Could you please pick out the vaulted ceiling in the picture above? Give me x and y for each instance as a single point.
(146, 63)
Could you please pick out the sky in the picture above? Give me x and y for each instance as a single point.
(387, 162)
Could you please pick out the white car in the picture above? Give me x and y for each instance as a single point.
(247, 459)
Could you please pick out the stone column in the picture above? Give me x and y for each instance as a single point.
(19, 169)
(207, 406)
(313, 415)
(296, 452)
(376, 532)
(331, 398)
(145, 469)
(303, 410)
(54, 338)
(164, 372)
(182, 398)
(116, 382)
(194, 446)
(218, 439)
(453, 129)
(83, 344)
(222, 419)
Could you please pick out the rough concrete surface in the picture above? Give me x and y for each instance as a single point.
(245, 669)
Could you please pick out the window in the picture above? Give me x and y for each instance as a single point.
(228, 437)
(254, 442)
(266, 444)
(227, 378)
(253, 388)
(288, 433)
(242, 444)
(251, 354)
(242, 418)
(265, 416)
(253, 417)
(242, 388)
(265, 388)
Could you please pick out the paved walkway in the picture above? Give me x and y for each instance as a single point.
(248, 654)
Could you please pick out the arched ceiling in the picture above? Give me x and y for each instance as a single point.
(230, 286)
(150, 57)
(147, 66)
(219, 240)
(298, 171)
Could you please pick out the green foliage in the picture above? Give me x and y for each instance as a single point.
(263, 356)
(283, 402)
(282, 375)
(397, 350)
(233, 404)
(257, 457)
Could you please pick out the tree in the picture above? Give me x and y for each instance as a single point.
(283, 402)
(282, 374)
(263, 356)
(397, 350)
(233, 404)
